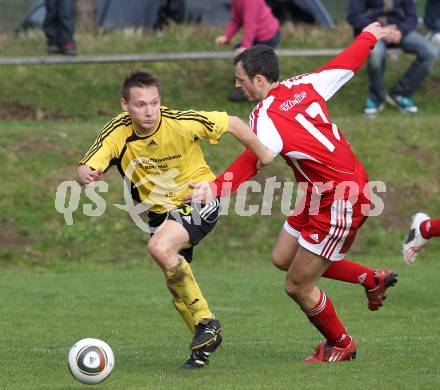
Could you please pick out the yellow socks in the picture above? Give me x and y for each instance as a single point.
(185, 314)
(181, 282)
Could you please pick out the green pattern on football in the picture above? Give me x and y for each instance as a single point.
(91, 360)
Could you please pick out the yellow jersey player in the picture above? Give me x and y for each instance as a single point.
(157, 151)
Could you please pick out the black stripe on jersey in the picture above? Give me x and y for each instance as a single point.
(178, 114)
(95, 145)
(103, 135)
(189, 115)
(208, 124)
(112, 162)
(133, 189)
(106, 130)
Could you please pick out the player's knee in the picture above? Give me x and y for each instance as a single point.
(280, 261)
(297, 290)
(157, 248)
(293, 289)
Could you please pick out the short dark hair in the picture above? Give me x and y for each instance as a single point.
(138, 78)
(260, 59)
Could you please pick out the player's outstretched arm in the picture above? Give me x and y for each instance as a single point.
(331, 77)
(354, 56)
(86, 175)
(244, 134)
(242, 169)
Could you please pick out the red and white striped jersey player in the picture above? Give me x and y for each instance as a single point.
(292, 120)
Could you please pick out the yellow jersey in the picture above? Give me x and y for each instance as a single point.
(159, 167)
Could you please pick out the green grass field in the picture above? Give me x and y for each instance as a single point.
(266, 336)
(60, 283)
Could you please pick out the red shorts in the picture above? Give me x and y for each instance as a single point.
(328, 228)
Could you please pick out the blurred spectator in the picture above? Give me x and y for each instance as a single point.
(259, 27)
(59, 26)
(432, 20)
(400, 20)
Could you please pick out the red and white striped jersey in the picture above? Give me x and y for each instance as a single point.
(293, 121)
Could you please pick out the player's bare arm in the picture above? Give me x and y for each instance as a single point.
(86, 175)
(204, 192)
(244, 134)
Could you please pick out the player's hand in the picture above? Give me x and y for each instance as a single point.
(93, 176)
(86, 176)
(202, 193)
(376, 29)
(221, 40)
(96, 175)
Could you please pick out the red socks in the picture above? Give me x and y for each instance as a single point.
(430, 228)
(323, 316)
(351, 272)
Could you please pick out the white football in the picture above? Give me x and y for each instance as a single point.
(91, 360)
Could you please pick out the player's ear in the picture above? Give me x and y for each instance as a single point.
(124, 104)
(260, 80)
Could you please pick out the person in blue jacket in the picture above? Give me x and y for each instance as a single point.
(399, 17)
